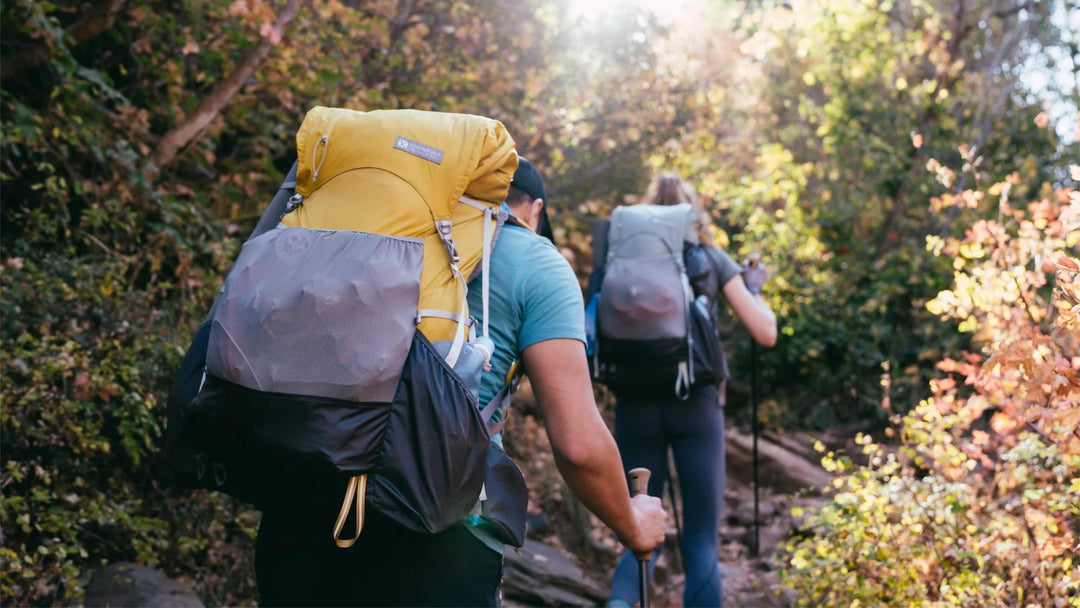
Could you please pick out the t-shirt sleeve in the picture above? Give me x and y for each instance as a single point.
(549, 296)
(726, 267)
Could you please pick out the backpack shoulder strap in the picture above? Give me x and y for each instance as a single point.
(513, 376)
(271, 217)
(600, 228)
(278, 206)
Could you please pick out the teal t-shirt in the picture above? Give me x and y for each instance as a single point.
(533, 296)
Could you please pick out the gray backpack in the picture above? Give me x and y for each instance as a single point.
(644, 308)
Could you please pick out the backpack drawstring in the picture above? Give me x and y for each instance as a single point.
(324, 141)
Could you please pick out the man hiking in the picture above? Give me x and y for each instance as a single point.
(536, 316)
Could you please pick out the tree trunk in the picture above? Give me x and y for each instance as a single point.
(779, 468)
(169, 147)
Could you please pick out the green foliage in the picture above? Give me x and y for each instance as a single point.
(820, 167)
(895, 536)
(86, 361)
(978, 505)
(797, 126)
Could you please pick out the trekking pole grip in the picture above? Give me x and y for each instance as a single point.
(639, 484)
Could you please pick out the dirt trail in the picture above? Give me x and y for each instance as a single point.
(546, 574)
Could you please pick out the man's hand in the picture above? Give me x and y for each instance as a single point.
(651, 524)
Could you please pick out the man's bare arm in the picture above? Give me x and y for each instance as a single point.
(585, 452)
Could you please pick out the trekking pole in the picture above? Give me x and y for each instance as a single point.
(639, 484)
(754, 425)
(675, 512)
(756, 548)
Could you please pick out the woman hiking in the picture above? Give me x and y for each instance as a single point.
(649, 422)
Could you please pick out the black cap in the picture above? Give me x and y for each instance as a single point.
(528, 180)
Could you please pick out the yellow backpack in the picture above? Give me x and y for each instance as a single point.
(340, 352)
(408, 173)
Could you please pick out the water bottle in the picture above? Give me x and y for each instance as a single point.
(590, 324)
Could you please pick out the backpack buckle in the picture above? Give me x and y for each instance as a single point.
(294, 201)
(445, 230)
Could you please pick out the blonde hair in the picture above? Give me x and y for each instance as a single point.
(670, 189)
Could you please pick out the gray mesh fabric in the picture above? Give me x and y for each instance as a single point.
(642, 299)
(634, 230)
(643, 296)
(329, 313)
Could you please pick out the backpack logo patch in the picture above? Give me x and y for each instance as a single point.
(418, 149)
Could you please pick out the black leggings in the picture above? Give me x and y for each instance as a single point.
(297, 563)
(694, 429)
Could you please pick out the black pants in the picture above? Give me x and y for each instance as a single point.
(645, 427)
(298, 564)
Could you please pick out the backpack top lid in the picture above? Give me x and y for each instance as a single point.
(645, 231)
(436, 156)
(398, 172)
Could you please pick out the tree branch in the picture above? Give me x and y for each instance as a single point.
(196, 124)
(1001, 13)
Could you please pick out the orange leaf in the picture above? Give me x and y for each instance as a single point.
(1002, 424)
(270, 32)
(1069, 419)
(980, 437)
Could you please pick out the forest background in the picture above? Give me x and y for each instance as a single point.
(903, 167)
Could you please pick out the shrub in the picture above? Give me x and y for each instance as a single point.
(979, 504)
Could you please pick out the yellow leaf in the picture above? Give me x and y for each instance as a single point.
(972, 251)
(968, 325)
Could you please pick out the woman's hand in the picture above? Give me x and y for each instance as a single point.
(755, 275)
